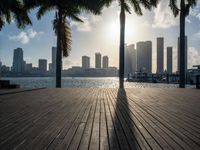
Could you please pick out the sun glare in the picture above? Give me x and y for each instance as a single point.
(114, 29)
(131, 31)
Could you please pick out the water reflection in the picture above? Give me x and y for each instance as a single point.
(37, 82)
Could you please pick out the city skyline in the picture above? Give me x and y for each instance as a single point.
(19, 65)
(138, 57)
(38, 39)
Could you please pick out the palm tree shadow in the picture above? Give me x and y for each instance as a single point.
(122, 136)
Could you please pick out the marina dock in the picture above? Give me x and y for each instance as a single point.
(98, 118)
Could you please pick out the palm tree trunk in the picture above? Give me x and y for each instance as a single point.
(59, 52)
(182, 46)
(121, 48)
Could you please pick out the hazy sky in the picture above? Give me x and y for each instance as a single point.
(101, 34)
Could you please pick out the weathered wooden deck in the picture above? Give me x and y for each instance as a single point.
(100, 119)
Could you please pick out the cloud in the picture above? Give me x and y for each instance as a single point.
(88, 23)
(163, 16)
(68, 63)
(196, 11)
(24, 37)
(193, 57)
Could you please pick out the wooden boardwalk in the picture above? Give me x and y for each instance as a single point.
(96, 119)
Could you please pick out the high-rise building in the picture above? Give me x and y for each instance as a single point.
(42, 65)
(54, 52)
(97, 60)
(169, 60)
(186, 54)
(18, 62)
(105, 61)
(160, 55)
(28, 67)
(144, 57)
(130, 60)
(50, 66)
(24, 66)
(85, 62)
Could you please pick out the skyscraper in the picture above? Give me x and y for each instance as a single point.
(42, 65)
(28, 67)
(169, 60)
(144, 56)
(54, 51)
(85, 62)
(18, 62)
(50, 66)
(178, 54)
(105, 61)
(130, 60)
(160, 55)
(97, 60)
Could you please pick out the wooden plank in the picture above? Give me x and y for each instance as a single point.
(178, 136)
(139, 118)
(86, 136)
(74, 145)
(152, 128)
(95, 136)
(63, 137)
(127, 126)
(112, 133)
(104, 143)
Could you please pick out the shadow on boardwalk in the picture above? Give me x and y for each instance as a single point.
(123, 132)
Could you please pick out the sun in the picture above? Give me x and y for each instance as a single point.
(130, 30)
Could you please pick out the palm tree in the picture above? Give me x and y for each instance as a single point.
(65, 10)
(125, 7)
(13, 9)
(184, 10)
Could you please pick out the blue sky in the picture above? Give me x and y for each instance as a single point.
(101, 34)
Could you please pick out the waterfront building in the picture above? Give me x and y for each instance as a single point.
(85, 62)
(144, 57)
(130, 60)
(5, 69)
(169, 60)
(18, 61)
(28, 67)
(160, 55)
(42, 65)
(105, 62)
(50, 66)
(97, 60)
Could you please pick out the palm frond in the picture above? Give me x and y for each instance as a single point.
(14, 9)
(93, 6)
(2, 23)
(43, 9)
(192, 3)
(154, 2)
(174, 7)
(136, 6)
(147, 4)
